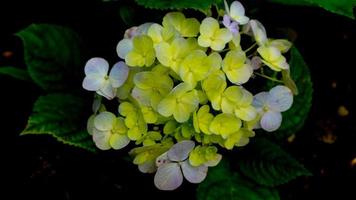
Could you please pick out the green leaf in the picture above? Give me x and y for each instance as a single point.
(177, 4)
(126, 15)
(341, 7)
(222, 183)
(294, 118)
(52, 54)
(15, 72)
(61, 116)
(267, 164)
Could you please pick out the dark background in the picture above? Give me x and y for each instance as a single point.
(38, 167)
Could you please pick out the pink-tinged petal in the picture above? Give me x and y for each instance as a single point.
(119, 74)
(97, 67)
(147, 167)
(168, 177)
(107, 90)
(162, 159)
(271, 121)
(281, 98)
(181, 150)
(256, 62)
(93, 82)
(194, 174)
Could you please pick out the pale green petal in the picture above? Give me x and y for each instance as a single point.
(281, 44)
(134, 59)
(224, 35)
(125, 108)
(246, 113)
(90, 124)
(101, 139)
(167, 106)
(118, 141)
(208, 27)
(155, 32)
(181, 114)
(190, 27)
(164, 53)
(174, 19)
(225, 124)
(204, 41)
(104, 121)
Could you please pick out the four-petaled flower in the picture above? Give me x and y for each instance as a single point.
(97, 78)
(271, 104)
(174, 164)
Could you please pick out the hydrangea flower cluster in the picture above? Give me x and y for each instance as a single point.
(181, 93)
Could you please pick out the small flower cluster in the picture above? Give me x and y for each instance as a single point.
(181, 95)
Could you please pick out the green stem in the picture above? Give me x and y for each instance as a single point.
(250, 48)
(267, 77)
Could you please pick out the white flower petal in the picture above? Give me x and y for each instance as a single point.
(93, 82)
(237, 9)
(259, 32)
(101, 139)
(97, 67)
(107, 90)
(271, 121)
(194, 174)
(243, 20)
(280, 99)
(260, 100)
(143, 28)
(119, 141)
(168, 177)
(124, 47)
(119, 74)
(181, 150)
(237, 12)
(104, 121)
(162, 159)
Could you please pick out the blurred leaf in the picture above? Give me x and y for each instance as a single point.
(61, 116)
(222, 183)
(15, 72)
(294, 118)
(268, 165)
(341, 7)
(178, 4)
(52, 55)
(126, 15)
